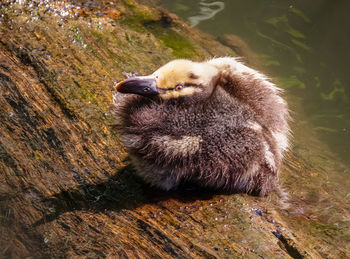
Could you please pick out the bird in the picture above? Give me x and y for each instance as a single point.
(218, 124)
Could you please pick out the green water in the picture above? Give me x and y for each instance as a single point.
(302, 45)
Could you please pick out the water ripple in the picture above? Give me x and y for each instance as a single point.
(206, 12)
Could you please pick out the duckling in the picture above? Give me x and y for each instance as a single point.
(217, 123)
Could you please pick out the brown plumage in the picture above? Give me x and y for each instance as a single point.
(217, 123)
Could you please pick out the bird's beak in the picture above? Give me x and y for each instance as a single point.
(145, 86)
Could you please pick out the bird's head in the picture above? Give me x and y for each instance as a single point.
(176, 79)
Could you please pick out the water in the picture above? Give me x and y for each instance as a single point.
(303, 45)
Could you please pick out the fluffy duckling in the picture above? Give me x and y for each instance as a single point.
(217, 123)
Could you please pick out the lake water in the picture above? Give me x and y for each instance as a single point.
(302, 45)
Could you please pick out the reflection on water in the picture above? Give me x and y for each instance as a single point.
(302, 44)
(206, 12)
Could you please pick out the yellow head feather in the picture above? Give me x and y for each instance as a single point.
(186, 73)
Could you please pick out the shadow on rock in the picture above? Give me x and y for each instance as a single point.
(125, 190)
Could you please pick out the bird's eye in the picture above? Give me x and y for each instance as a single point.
(178, 87)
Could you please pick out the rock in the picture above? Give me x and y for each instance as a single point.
(240, 47)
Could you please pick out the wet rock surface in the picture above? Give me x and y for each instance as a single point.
(66, 186)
